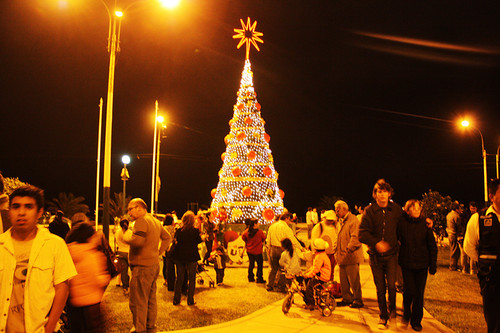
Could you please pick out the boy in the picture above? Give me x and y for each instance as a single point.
(319, 272)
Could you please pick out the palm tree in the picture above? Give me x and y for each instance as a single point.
(116, 205)
(328, 202)
(69, 204)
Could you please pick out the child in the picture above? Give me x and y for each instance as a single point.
(219, 259)
(289, 260)
(319, 272)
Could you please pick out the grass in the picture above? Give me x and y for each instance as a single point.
(454, 298)
(235, 299)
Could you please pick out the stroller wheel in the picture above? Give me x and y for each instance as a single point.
(201, 281)
(211, 284)
(326, 312)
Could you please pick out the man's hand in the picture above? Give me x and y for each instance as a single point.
(382, 246)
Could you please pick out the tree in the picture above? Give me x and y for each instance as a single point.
(68, 204)
(328, 202)
(436, 207)
(248, 182)
(10, 184)
(116, 206)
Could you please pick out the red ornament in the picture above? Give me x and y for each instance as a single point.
(248, 120)
(223, 156)
(247, 191)
(257, 105)
(236, 171)
(268, 214)
(267, 137)
(267, 171)
(240, 106)
(282, 194)
(213, 192)
(251, 155)
(227, 138)
(241, 135)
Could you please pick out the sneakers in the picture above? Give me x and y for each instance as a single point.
(340, 304)
(355, 305)
(416, 327)
(382, 324)
(261, 281)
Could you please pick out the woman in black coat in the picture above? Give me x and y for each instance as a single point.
(417, 255)
(185, 256)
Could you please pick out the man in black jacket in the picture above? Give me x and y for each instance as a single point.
(378, 230)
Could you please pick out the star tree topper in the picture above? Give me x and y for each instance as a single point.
(248, 35)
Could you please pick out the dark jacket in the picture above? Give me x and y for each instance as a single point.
(380, 224)
(418, 246)
(186, 249)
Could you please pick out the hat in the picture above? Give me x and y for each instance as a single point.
(330, 215)
(320, 244)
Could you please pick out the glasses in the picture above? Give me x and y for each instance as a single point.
(130, 208)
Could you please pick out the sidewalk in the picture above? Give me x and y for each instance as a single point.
(343, 319)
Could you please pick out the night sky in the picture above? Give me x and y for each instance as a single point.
(351, 91)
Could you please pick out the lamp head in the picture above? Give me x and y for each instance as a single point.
(125, 159)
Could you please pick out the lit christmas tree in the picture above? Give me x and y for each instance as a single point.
(248, 182)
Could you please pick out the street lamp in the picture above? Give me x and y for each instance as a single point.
(465, 124)
(125, 176)
(113, 47)
(163, 126)
(155, 174)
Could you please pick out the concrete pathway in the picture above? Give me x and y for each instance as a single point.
(343, 319)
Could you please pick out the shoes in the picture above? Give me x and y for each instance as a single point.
(176, 302)
(340, 304)
(251, 280)
(220, 284)
(260, 281)
(191, 303)
(309, 307)
(382, 324)
(269, 288)
(416, 327)
(355, 305)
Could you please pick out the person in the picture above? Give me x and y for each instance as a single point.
(278, 231)
(87, 287)
(417, 255)
(185, 256)
(309, 221)
(143, 259)
(219, 258)
(452, 227)
(327, 230)
(254, 239)
(122, 251)
(58, 226)
(168, 264)
(35, 265)
(378, 230)
(4, 207)
(78, 218)
(473, 209)
(348, 255)
(289, 260)
(482, 244)
(209, 229)
(318, 273)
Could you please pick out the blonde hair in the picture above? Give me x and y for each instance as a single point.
(188, 220)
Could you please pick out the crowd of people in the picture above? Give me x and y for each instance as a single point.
(46, 271)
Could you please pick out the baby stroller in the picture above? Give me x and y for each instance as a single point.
(324, 295)
(202, 274)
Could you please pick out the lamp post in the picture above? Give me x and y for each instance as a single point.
(125, 176)
(159, 119)
(498, 150)
(466, 124)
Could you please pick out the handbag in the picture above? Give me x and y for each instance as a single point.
(111, 260)
(171, 248)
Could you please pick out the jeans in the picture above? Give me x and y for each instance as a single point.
(183, 269)
(142, 301)
(219, 275)
(384, 270)
(85, 319)
(413, 294)
(490, 290)
(169, 273)
(252, 259)
(274, 263)
(123, 258)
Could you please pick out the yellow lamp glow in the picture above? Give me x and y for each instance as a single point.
(465, 123)
(169, 3)
(119, 13)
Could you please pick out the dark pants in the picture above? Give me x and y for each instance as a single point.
(183, 269)
(454, 251)
(123, 258)
(309, 294)
(85, 319)
(384, 270)
(169, 273)
(219, 275)
(252, 259)
(491, 304)
(274, 262)
(413, 294)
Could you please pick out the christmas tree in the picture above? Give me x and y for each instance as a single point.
(248, 182)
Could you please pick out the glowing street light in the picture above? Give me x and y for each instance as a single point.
(465, 123)
(155, 175)
(125, 176)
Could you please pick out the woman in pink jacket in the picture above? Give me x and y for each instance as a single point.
(319, 272)
(87, 287)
